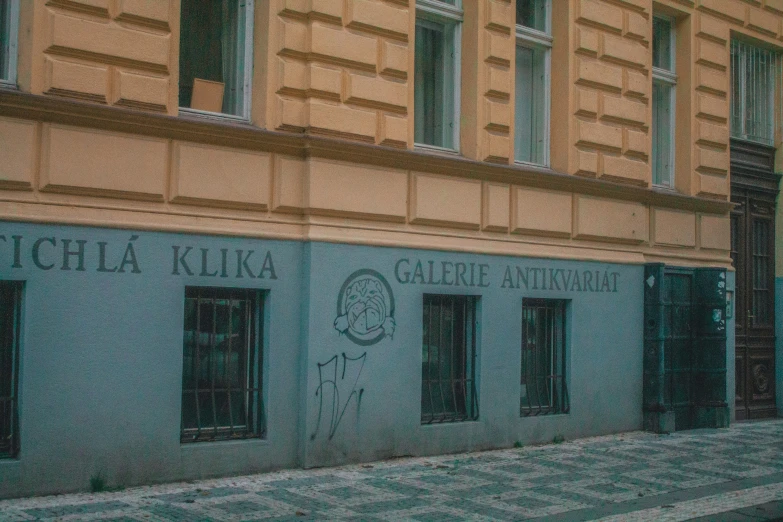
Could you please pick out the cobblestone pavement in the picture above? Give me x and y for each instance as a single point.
(731, 474)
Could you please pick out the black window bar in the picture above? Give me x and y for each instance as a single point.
(10, 314)
(222, 363)
(448, 392)
(543, 387)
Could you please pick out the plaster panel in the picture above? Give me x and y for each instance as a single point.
(610, 220)
(219, 176)
(109, 40)
(336, 188)
(715, 232)
(19, 153)
(542, 212)
(140, 90)
(674, 228)
(76, 80)
(142, 10)
(289, 179)
(496, 207)
(447, 201)
(103, 163)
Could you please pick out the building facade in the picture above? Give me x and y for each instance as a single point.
(256, 234)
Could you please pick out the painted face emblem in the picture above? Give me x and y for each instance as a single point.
(365, 308)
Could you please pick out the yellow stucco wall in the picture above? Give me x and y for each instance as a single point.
(343, 69)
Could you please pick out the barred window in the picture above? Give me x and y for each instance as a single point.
(10, 312)
(221, 377)
(755, 72)
(448, 368)
(543, 384)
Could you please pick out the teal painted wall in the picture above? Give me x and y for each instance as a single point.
(101, 354)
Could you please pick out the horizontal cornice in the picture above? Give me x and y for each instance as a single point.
(245, 136)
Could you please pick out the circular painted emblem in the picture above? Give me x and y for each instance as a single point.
(365, 308)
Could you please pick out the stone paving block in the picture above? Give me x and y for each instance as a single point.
(75, 509)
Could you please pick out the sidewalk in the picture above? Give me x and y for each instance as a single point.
(731, 474)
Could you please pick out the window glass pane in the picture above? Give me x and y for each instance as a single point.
(532, 14)
(5, 35)
(221, 389)
(434, 89)
(448, 391)
(543, 387)
(662, 44)
(212, 48)
(530, 111)
(663, 133)
(754, 74)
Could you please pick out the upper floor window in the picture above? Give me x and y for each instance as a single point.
(437, 73)
(754, 74)
(531, 115)
(216, 56)
(9, 25)
(664, 84)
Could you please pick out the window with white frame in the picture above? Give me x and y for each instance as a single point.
(9, 25)
(754, 74)
(664, 85)
(216, 56)
(437, 73)
(531, 117)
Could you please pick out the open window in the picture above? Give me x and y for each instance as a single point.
(216, 57)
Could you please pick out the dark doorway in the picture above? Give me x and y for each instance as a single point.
(754, 188)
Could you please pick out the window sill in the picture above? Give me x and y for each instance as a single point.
(434, 149)
(215, 116)
(531, 164)
(452, 423)
(205, 445)
(6, 84)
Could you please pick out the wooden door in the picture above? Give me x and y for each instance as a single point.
(752, 250)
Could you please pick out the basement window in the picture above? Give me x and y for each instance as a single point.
(216, 57)
(448, 365)
(543, 387)
(222, 363)
(9, 27)
(10, 319)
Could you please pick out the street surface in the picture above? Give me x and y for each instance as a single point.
(730, 474)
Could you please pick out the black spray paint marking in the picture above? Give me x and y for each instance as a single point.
(338, 408)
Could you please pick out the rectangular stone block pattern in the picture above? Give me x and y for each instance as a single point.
(159, 10)
(496, 207)
(674, 228)
(762, 22)
(712, 133)
(600, 13)
(710, 106)
(339, 119)
(378, 16)
(140, 90)
(714, 80)
(711, 52)
(220, 176)
(499, 14)
(336, 188)
(376, 91)
(447, 201)
(326, 80)
(328, 42)
(108, 39)
(292, 75)
(19, 153)
(293, 36)
(610, 220)
(716, 161)
(76, 80)
(289, 180)
(542, 212)
(715, 232)
(732, 11)
(633, 170)
(593, 72)
(712, 186)
(499, 47)
(630, 52)
(102, 163)
(710, 27)
(394, 131)
(623, 109)
(394, 59)
(600, 135)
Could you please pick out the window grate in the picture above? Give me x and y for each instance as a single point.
(543, 387)
(448, 392)
(221, 380)
(10, 315)
(755, 72)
